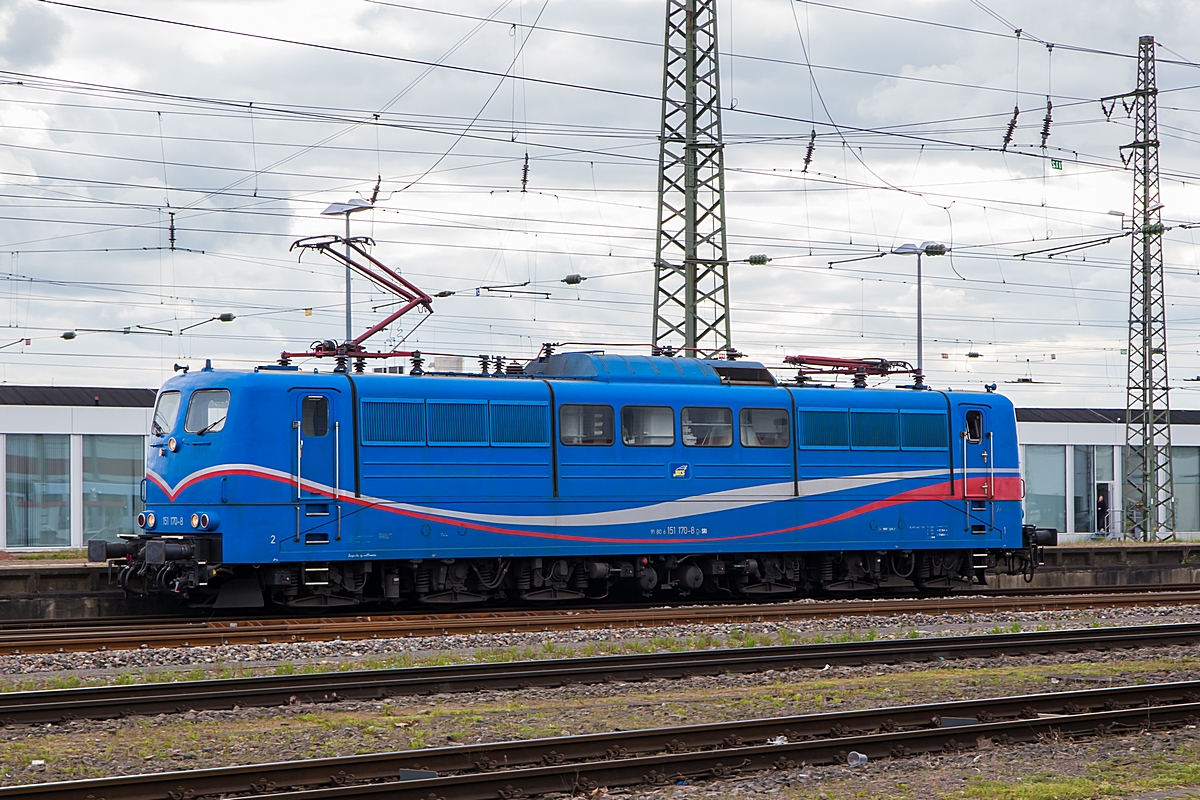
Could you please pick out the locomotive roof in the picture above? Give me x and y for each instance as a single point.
(649, 369)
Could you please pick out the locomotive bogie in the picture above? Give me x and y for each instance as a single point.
(583, 476)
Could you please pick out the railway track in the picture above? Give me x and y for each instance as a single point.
(661, 755)
(104, 702)
(134, 633)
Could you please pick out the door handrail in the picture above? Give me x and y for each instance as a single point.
(299, 454)
(337, 475)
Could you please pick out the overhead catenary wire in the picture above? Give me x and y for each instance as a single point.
(288, 199)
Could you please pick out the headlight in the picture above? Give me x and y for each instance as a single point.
(207, 522)
(150, 520)
(195, 520)
(173, 445)
(141, 519)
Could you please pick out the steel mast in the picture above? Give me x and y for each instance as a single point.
(1149, 503)
(691, 269)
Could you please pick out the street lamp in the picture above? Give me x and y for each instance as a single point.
(349, 207)
(222, 317)
(926, 249)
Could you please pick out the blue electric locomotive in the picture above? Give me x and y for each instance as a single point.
(580, 473)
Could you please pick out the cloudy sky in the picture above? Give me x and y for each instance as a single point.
(245, 119)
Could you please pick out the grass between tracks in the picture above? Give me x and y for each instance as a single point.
(209, 663)
(1099, 768)
(208, 739)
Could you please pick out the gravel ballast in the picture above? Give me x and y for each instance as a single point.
(82, 749)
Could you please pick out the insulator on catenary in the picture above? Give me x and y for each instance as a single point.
(1012, 126)
(1046, 122)
(812, 144)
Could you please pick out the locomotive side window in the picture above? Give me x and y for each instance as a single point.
(764, 427)
(207, 411)
(647, 426)
(314, 416)
(874, 430)
(825, 429)
(919, 431)
(165, 413)
(707, 427)
(974, 427)
(579, 424)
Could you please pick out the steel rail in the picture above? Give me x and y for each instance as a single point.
(728, 762)
(56, 705)
(200, 616)
(128, 635)
(558, 751)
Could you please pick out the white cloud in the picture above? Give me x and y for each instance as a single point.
(91, 166)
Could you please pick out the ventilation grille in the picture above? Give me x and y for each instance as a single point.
(520, 423)
(923, 431)
(824, 429)
(875, 429)
(393, 422)
(457, 423)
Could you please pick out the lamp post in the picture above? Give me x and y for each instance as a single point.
(146, 330)
(925, 249)
(349, 207)
(222, 317)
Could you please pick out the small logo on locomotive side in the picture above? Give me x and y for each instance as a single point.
(680, 470)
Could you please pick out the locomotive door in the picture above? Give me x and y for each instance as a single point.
(978, 467)
(317, 486)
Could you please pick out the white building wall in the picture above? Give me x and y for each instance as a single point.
(75, 420)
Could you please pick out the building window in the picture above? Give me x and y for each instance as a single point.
(1046, 486)
(38, 490)
(1185, 467)
(1107, 520)
(113, 467)
(1083, 504)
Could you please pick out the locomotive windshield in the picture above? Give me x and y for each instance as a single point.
(165, 413)
(207, 411)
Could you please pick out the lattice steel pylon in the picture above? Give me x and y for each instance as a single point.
(691, 270)
(1149, 502)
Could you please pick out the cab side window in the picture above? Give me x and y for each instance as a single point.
(207, 411)
(974, 427)
(314, 416)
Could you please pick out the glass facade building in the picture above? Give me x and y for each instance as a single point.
(113, 467)
(73, 460)
(37, 490)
